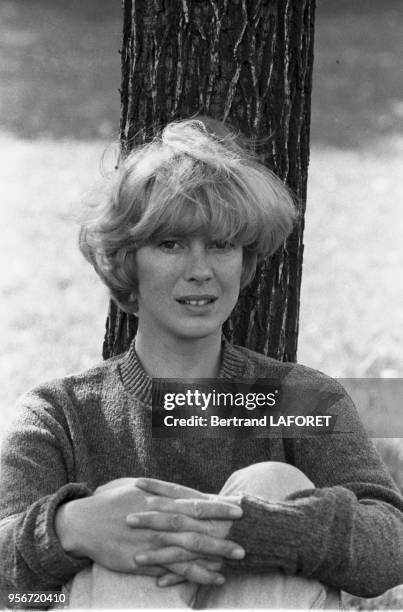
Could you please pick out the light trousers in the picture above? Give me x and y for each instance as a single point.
(97, 587)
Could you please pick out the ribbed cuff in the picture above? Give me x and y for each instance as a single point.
(53, 560)
(270, 533)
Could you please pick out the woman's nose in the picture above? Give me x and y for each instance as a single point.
(198, 266)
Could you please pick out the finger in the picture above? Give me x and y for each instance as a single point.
(168, 554)
(214, 565)
(169, 521)
(167, 489)
(196, 508)
(176, 545)
(176, 491)
(149, 570)
(196, 572)
(202, 544)
(211, 564)
(169, 580)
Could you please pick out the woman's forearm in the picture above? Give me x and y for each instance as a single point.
(348, 531)
(328, 535)
(32, 557)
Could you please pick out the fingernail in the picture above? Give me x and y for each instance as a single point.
(219, 580)
(238, 553)
(140, 558)
(162, 582)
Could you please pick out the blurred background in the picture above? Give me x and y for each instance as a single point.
(59, 112)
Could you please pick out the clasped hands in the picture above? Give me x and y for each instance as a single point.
(152, 527)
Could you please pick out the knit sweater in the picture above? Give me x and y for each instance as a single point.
(74, 434)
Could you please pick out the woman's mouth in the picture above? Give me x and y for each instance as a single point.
(197, 301)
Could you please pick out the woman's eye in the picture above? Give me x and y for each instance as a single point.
(170, 245)
(223, 245)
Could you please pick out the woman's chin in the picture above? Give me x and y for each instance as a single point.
(198, 332)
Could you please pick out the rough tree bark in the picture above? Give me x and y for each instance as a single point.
(248, 61)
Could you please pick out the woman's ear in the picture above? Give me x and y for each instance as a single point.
(129, 304)
(132, 303)
(248, 268)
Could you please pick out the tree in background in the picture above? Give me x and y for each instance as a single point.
(248, 62)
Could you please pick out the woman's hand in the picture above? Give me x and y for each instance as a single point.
(96, 527)
(191, 518)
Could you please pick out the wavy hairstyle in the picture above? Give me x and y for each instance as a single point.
(194, 178)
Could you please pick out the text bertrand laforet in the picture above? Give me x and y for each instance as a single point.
(249, 401)
(264, 421)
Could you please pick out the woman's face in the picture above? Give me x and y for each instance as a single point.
(187, 286)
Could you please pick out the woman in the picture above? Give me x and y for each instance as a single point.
(89, 499)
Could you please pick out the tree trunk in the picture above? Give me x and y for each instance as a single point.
(248, 61)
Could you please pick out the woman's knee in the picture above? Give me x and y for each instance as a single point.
(271, 480)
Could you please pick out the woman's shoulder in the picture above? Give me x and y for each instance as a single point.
(302, 390)
(61, 409)
(291, 374)
(74, 389)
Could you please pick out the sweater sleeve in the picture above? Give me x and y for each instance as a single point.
(36, 467)
(347, 532)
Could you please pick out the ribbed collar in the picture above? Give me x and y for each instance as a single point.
(138, 383)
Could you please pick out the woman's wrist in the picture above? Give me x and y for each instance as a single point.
(67, 521)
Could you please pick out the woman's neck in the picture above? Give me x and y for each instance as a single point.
(179, 359)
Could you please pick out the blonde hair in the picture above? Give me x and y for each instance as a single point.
(194, 178)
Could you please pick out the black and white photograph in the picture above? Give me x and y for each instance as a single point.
(201, 304)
